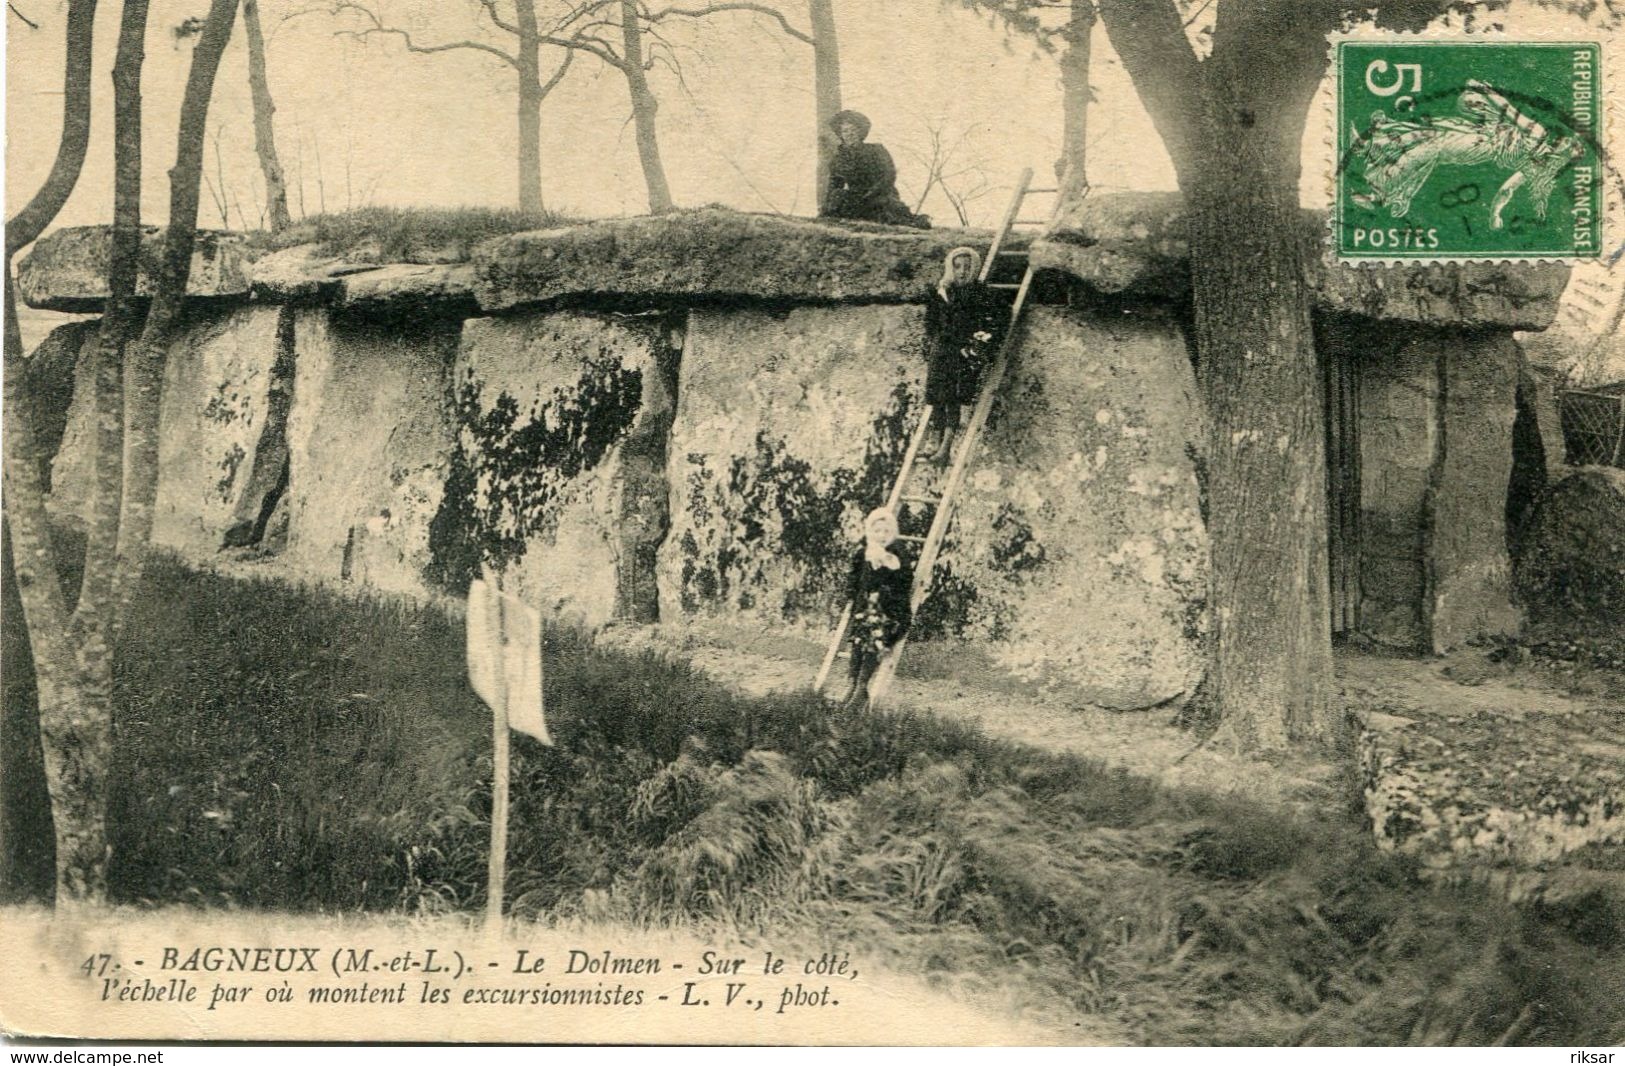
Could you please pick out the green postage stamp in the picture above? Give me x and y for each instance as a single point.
(1468, 150)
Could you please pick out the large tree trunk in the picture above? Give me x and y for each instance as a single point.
(80, 855)
(1271, 680)
(644, 106)
(826, 86)
(1079, 38)
(528, 53)
(1233, 126)
(276, 188)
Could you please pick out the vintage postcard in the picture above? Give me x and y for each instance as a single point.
(814, 522)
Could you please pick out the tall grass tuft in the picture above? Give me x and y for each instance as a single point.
(288, 749)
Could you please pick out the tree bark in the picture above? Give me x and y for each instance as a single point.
(259, 85)
(144, 379)
(26, 225)
(644, 107)
(1233, 126)
(826, 87)
(1075, 59)
(527, 51)
(80, 859)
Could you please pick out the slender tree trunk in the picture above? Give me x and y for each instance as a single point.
(26, 226)
(276, 188)
(527, 51)
(826, 86)
(144, 381)
(81, 862)
(1079, 36)
(644, 106)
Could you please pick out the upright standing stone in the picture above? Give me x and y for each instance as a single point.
(1399, 402)
(1469, 593)
(369, 437)
(558, 478)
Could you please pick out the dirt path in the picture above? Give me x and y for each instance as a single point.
(1142, 742)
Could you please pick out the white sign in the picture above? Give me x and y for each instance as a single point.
(505, 657)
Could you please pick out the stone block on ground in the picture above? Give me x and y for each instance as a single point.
(558, 475)
(1498, 790)
(369, 441)
(1572, 570)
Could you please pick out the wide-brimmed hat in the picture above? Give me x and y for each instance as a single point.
(857, 118)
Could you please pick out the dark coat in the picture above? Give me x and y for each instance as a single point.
(887, 610)
(863, 186)
(956, 360)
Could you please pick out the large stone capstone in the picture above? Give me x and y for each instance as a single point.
(1136, 244)
(715, 254)
(66, 270)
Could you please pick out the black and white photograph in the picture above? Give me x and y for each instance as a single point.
(814, 522)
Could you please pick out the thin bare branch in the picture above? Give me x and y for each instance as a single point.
(378, 27)
(31, 23)
(558, 75)
(497, 20)
(741, 5)
(586, 43)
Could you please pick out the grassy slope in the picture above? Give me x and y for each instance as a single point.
(287, 750)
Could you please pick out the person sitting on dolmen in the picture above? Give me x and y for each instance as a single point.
(863, 178)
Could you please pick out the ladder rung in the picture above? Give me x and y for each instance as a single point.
(1003, 285)
(922, 499)
(909, 537)
(1036, 189)
(1030, 222)
(1012, 251)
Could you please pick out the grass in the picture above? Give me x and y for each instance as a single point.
(290, 750)
(408, 235)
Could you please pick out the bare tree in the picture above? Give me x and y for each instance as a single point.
(1070, 39)
(259, 85)
(821, 38)
(524, 59)
(826, 86)
(73, 653)
(79, 817)
(961, 180)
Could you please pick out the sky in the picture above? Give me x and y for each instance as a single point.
(363, 122)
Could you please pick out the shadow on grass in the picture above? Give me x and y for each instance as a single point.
(286, 749)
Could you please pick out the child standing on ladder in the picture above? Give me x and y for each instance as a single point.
(964, 322)
(878, 588)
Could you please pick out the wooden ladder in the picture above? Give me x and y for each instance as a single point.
(965, 449)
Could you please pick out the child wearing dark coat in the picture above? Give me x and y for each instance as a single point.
(964, 322)
(879, 588)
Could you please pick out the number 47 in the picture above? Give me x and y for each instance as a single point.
(96, 965)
